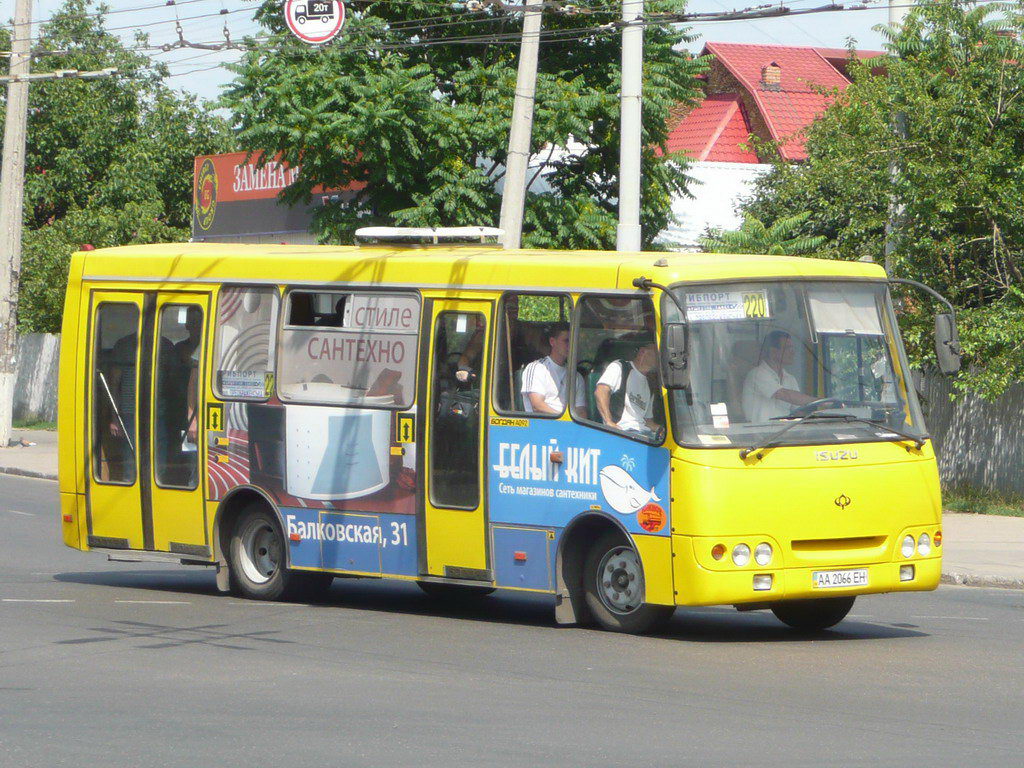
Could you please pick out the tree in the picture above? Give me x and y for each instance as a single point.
(782, 238)
(418, 119)
(954, 72)
(108, 161)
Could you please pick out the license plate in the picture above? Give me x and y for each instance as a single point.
(857, 577)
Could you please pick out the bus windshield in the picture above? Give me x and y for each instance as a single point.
(763, 353)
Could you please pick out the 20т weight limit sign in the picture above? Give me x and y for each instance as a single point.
(314, 21)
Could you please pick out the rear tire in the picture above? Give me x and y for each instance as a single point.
(256, 558)
(813, 615)
(613, 588)
(441, 591)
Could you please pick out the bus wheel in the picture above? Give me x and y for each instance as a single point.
(813, 615)
(613, 586)
(443, 591)
(257, 557)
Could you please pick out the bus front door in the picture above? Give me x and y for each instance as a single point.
(455, 526)
(145, 422)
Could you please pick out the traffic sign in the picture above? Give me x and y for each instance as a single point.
(314, 21)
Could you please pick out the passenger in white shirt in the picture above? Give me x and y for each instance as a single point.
(638, 401)
(769, 389)
(546, 381)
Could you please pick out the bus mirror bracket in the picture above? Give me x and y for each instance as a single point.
(948, 351)
(675, 341)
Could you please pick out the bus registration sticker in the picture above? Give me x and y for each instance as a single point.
(856, 577)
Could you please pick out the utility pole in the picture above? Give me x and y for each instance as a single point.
(513, 197)
(12, 196)
(628, 233)
(898, 10)
(12, 181)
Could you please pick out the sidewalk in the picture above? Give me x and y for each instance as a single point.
(978, 550)
(39, 460)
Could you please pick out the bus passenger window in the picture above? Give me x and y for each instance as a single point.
(245, 342)
(115, 353)
(532, 354)
(455, 474)
(177, 396)
(355, 348)
(617, 356)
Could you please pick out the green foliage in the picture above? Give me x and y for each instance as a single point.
(424, 128)
(782, 238)
(952, 161)
(108, 162)
(982, 501)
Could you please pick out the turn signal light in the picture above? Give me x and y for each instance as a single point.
(718, 551)
(294, 537)
(937, 539)
(519, 557)
(68, 518)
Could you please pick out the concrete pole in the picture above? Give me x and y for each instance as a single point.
(513, 197)
(898, 10)
(12, 183)
(628, 233)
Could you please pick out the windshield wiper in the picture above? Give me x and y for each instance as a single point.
(773, 440)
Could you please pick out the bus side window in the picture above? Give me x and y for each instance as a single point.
(244, 364)
(353, 348)
(617, 358)
(526, 322)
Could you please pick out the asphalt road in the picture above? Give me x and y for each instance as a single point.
(137, 665)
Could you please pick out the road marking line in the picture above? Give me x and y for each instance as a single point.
(28, 600)
(954, 618)
(18, 512)
(156, 602)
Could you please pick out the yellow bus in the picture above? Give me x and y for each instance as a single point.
(628, 432)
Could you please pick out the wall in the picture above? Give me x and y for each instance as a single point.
(35, 394)
(979, 443)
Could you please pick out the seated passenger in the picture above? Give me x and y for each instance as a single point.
(769, 389)
(623, 393)
(545, 381)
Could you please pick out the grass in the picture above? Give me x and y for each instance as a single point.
(982, 502)
(49, 425)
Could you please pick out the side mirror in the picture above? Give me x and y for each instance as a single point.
(675, 339)
(947, 343)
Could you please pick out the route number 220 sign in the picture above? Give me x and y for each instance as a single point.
(314, 21)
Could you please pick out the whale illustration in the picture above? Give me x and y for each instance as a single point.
(623, 493)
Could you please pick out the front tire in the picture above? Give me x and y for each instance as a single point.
(813, 615)
(613, 588)
(257, 561)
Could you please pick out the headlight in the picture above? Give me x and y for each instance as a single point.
(924, 544)
(741, 554)
(908, 546)
(763, 553)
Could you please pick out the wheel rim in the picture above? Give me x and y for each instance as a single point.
(620, 580)
(260, 553)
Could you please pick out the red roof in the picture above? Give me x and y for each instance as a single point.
(714, 131)
(807, 75)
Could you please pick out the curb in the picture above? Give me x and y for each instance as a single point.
(963, 579)
(27, 473)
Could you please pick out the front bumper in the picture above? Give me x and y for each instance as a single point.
(696, 585)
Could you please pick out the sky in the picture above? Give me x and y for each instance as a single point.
(202, 21)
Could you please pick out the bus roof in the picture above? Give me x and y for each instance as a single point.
(441, 266)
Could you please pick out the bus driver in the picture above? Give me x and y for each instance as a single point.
(769, 389)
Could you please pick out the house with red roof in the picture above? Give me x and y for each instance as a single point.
(756, 97)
